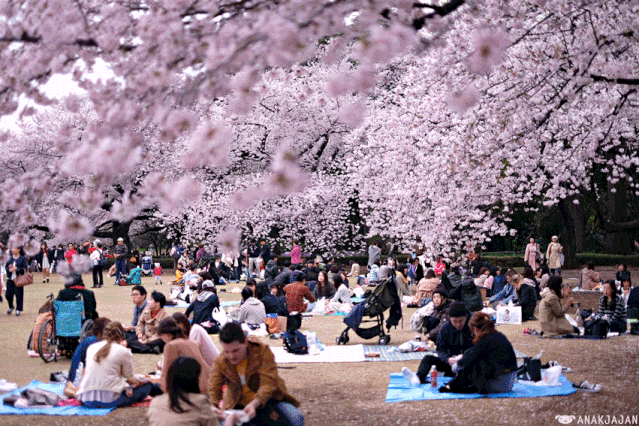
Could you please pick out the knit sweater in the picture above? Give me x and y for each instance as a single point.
(111, 373)
(252, 312)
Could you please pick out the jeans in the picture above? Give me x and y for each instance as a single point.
(138, 347)
(253, 266)
(286, 415)
(120, 269)
(17, 291)
(138, 395)
(97, 273)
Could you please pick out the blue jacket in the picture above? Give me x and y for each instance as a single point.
(499, 282)
(451, 342)
(505, 295)
(135, 277)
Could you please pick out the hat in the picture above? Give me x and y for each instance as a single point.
(457, 309)
(120, 239)
(441, 290)
(208, 284)
(468, 282)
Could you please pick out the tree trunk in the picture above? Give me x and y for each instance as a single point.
(574, 230)
(617, 242)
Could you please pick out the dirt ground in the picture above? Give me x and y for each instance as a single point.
(354, 393)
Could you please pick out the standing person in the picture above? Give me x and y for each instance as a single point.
(58, 257)
(200, 252)
(157, 273)
(176, 253)
(553, 254)
(44, 259)
(247, 369)
(265, 254)
(532, 253)
(71, 251)
(97, 257)
(296, 253)
(253, 255)
(374, 255)
(120, 252)
(183, 404)
(16, 266)
(3, 272)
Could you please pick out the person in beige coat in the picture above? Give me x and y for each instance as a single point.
(589, 277)
(183, 404)
(552, 315)
(147, 339)
(553, 255)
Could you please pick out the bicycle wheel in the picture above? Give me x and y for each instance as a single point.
(46, 342)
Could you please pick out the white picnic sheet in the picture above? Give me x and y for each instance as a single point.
(342, 353)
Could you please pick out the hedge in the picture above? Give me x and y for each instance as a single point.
(165, 262)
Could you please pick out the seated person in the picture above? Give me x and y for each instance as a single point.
(295, 294)
(138, 294)
(633, 310)
(624, 291)
(342, 295)
(271, 270)
(183, 403)
(284, 277)
(526, 297)
(72, 288)
(252, 311)
(203, 305)
(484, 273)
(552, 315)
(109, 374)
(623, 274)
(147, 339)
(199, 335)
(247, 370)
(499, 282)
(323, 288)
(453, 339)
(506, 294)
(455, 277)
(373, 277)
(270, 302)
(489, 366)
(468, 293)
(589, 277)
(401, 281)
(440, 266)
(179, 273)
(135, 276)
(80, 353)
(611, 309)
(176, 345)
(425, 288)
(543, 275)
(440, 316)
(282, 307)
(354, 272)
(191, 277)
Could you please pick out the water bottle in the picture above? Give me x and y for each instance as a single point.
(433, 376)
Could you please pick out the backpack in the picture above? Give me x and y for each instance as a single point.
(295, 342)
(102, 260)
(597, 327)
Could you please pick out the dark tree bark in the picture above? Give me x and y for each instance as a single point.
(574, 230)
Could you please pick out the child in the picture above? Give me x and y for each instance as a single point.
(179, 273)
(157, 272)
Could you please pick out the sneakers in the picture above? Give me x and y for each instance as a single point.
(9, 311)
(586, 386)
(531, 332)
(410, 377)
(18, 313)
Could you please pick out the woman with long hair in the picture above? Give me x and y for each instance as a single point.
(183, 403)
(611, 308)
(198, 334)
(490, 366)
(323, 288)
(16, 266)
(552, 315)
(177, 345)
(109, 381)
(44, 259)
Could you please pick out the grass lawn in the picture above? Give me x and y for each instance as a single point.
(354, 393)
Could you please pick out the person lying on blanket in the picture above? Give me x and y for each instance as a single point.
(453, 339)
(247, 369)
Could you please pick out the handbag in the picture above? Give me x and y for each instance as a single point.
(24, 279)
(531, 370)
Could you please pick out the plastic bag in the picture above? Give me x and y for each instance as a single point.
(219, 315)
(550, 376)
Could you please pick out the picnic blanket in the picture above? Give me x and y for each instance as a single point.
(53, 411)
(390, 353)
(399, 390)
(330, 354)
(183, 304)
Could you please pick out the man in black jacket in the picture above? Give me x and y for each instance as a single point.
(266, 252)
(452, 340)
(74, 287)
(253, 253)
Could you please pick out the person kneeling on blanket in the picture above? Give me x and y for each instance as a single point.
(453, 339)
(109, 381)
(248, 370)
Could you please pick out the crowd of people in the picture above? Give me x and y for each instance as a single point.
(453, 305)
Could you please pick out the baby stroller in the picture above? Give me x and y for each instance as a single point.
(381, 298)
(147, 265)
